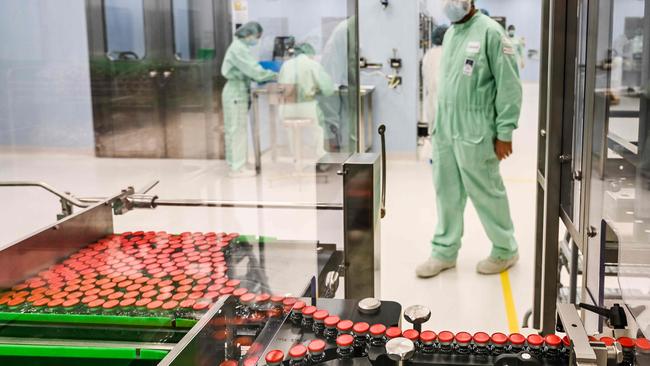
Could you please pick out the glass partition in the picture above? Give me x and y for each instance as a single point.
(137, 94)
(619, 189)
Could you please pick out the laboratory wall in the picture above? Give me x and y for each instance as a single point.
(380, 31)
(525, 15)
(309, 21)
(44, 75)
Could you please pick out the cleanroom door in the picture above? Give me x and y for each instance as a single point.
(154, 77)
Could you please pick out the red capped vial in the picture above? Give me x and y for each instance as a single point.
(553, 346)
(628, 346)
(297, 354)
(319, 322)
(316, 350)
(360, 332)
(345, 327)
(274, 358)
(535, 344)
(446, 340)
(428, 341)
(481, 343)
(642, 351)
(296, 313)
(499, 343)
(393, 332)
(517, 342)
(331, 332)
(463, 342)
(344, 344)
(308, 317)
(377, 333)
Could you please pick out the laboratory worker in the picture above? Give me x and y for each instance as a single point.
(240, 68)
(310, 81)
(479, 101)
(519, 45)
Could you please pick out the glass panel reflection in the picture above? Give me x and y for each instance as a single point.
(124, 29)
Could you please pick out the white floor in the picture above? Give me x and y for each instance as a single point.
(460, 299)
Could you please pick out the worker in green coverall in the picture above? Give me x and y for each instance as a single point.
(479, 101)
(240, 68)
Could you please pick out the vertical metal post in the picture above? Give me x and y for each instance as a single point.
(547, 250)
(361, 217)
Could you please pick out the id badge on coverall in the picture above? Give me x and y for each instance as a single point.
(473, 49)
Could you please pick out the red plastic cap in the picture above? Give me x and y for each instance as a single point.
(320, 315)
(229, 363)
(290, 301)
(275, 356)
(393, 332)
(345, 325)
(609, 341)
(251, 361)
(247, 298)
(298, 351)
(317, 346)
(463, 338)
(517, 339)
(554, 341)
(498, 339)
(262, 298)
(361, 328)
(428, 336)
(643, 345)
(344, 340)
(411, 334)
(483, 338)
(240, 291)
(309, 310)
(566, 341)
(535, 340)
(626, 342)
(299, 305)
(445, 336)
(378, 330)
(332, 321)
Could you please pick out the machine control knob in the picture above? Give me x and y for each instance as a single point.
(400, 349)
(417, 315)
(369, 305)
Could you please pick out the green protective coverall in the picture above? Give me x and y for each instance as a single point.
(240, 68)
(311, 80)
(479, 101)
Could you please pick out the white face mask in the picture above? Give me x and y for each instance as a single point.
(456, 9)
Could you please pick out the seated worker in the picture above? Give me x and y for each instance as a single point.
(307, 79)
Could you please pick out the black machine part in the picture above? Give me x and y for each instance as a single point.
(615, 315)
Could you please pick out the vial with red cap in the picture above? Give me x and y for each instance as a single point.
(642, 346)
(344, 348)
(552, 348)
(565, 352)
(316, 350)
(360, 331)
(446, 341)
(535, 344)
(274, 358)
(498, 344)
(243, 307)
(377, 335)
(428, 342)
(344, 327)
(516, 343)
(393, 332)
(308, 317)
(481, 344)
(463, 343)
(319, 322)
(331, 331)
(628, 346)
(298, 355)
(296, 313)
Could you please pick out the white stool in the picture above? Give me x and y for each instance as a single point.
(296, 125)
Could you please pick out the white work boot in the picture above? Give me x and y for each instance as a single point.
(432, 267)
(242, 173)
(490, 266)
